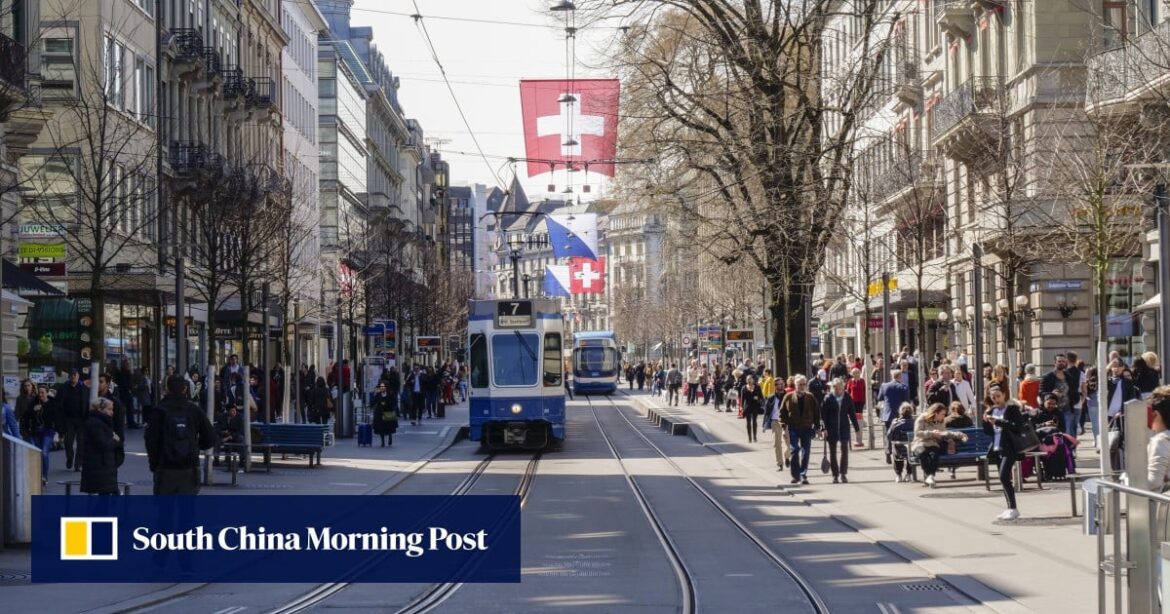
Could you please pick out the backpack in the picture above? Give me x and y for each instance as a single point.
(674, 378)
(179, 447)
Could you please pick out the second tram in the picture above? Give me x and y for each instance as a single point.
(597, 362)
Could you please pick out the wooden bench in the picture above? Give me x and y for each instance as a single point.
(69, 484)
(307, 439)
(237, 449)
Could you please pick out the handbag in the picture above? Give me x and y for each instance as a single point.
(951, 446)
(1026, 440)
(825, 468)
(390, 416)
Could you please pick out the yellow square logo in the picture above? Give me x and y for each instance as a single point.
(89, 539)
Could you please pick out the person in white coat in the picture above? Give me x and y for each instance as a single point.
(1158, 470)
(963, 393)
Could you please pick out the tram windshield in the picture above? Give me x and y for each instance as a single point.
(514, 358)
(600, 360)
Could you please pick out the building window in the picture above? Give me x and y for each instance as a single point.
(1116, 22)
(115, 59)
(58, 68)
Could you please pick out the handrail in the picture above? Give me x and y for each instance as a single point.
(1123, 567)
(1130, 490)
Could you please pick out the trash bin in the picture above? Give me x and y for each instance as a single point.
(21, 482)
(1091, 521)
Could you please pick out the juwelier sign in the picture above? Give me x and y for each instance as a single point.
(254, 539)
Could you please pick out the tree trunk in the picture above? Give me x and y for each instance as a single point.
(98, 342)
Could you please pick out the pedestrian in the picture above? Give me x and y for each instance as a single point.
(1001, 418)
(431, 382)
(1092, 405)
(28, 394)
(693, 374)
(414, 383)
(640, 375)
(730, 394)
(929, 432)
(74, 404)
(1158, 468)
(463, 374)
(1121, 391)
(717, 387)
(705, 384)
(890, 397)
(902, 431)
(305, 392)
(320, 402)
(1145, 379)
(42, 423)
(1029, 390)
(629, 371)
(753, 406)
(385, 408)
(856, 389)
(119, 416)
(801, 415)
(103, 450)
(1060, 382)
(175, 434)
(143, 399)
(779, 432)
(837, 414)
(11, 426)
(674, 381)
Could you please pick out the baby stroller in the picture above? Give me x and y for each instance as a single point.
(900, 449)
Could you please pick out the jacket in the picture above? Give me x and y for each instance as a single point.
(1012, 420)
(1029, 392)
(799, 411)
(74, 402)
(1129, 391)
(958, 422)
(753, 401)
(155, 434)
(892, 395)
(837, 417)
(901, 430)
(119, 420)
(382, 404)
(1048, 384)
(1158, 470)
(100, 455)
(856, 389)
(10, 426)
(40, 423)
(924, 435)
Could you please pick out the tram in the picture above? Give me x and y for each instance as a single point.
(516, 377)
(597, 362)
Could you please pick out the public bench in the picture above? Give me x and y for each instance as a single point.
(308, 439)
(69, 484)
(970, 453)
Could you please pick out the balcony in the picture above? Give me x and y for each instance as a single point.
(955, 17)
(235, 85)
(907, 81)
(1137, 69)
(13, 72)
(188, 51)
(967, 124)
(262, 94)
(922, 171)
(190, 157)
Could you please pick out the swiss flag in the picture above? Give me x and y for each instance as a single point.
(587, 276)
(570, 120)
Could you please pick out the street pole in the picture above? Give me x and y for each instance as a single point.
(295, 390)
(977, 283)
(887, 364)
(247, 414)
(1162, 201)
(515, 255)
(180, 315)
(870, 406)
(341, 396)
(265, 368)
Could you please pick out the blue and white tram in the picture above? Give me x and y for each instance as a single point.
(597, 362)
(514, 352)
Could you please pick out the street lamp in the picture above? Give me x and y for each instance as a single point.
(526, 278)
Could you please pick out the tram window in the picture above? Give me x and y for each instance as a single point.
(552, 359)
(514, 358)
(479, 361)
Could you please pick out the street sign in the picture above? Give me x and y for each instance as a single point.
(514, 314)
(740, 334)
(687, 340)
(51, 269)
(41, 250)
(428, 344)
(377, 329)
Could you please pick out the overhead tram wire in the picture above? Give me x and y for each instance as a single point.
(422, 27)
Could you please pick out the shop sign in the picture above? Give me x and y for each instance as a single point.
(875, 287)
(40, 231)
(1062, 284)
(170, 320)
(735, 335)
(225, 332)
(846, 332)
(428, 344)
(876, 323)
(41, 250)
(44, 269)
(928, 313)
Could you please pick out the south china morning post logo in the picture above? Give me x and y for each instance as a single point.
(89, 538)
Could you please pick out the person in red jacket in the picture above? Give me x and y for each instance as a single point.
(856, 389)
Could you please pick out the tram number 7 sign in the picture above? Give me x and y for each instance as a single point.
(514, 314)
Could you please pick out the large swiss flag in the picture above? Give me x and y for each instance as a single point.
(561, 112)
(587, 276)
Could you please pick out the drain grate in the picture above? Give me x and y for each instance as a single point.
(10, 576)
(966, 494)
(264, 486)
(923, 587)
(1041, 521)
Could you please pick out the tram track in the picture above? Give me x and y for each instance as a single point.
(810, 593)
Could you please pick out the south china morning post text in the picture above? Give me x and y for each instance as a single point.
(434, 539)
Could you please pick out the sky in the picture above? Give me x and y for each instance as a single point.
(485, 62)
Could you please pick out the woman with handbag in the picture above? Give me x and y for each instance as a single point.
(1004, 421)
(385, 408)
(103, 452)
(753, 406)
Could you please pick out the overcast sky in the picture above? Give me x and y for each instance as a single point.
(485, 62)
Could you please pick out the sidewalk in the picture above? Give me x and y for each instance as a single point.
(345, 469)
(950, 530)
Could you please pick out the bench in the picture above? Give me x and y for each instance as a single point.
(972, 452)
(69, 484)
(237, 449)
(307, 439)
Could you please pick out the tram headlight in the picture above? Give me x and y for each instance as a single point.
(516, 408)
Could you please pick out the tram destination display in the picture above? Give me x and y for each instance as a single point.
(514, 314)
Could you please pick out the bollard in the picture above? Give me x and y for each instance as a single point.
(1091, 511)
(21, 482)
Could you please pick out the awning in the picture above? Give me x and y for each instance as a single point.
(26, 284)
(1153, 304)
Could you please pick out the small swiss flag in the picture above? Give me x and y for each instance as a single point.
(587, 276)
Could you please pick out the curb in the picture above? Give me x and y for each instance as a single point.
(973, 590)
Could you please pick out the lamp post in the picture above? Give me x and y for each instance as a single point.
(526, 278)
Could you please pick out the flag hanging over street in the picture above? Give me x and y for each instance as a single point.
(567, 120)
(573, 235)
(556, 280)
(587, 276)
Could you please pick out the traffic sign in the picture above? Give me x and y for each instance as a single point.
(687, 340)
(377, 329)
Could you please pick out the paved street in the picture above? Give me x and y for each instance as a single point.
(589, 543)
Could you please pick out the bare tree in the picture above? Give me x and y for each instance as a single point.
(738, 111)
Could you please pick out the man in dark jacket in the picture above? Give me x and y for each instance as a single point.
(800, 414)
(837, 414)
(73, 409)
(176, 433)
(103, 451)
(105, 392)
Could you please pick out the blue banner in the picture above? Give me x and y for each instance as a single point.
(276, 539)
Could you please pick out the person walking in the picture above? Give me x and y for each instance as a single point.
(753, 406)
(779, 432)
(1001, 418)
(693, 374)
(74, 404)
(1158, 451)
(431, 381)
(175, 434)
(640, 375)
(801, 415)
(891, 396)
(837, 415)
(320, 402)
(24, 400)
(143, 399)
(42, 423)
(385, 407)
(856, 389)
(929, 430)
(106, 392)
(674, 380)
(103, 450)
(11, 426)
(414, 383)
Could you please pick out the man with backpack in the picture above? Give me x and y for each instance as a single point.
(674, 380)
(176, 433)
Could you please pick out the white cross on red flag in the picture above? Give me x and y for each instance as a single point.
(569, 120)
(587, 276)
